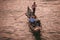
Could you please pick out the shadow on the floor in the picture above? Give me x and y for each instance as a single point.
(37, 35)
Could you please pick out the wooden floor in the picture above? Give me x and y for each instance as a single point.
(13, 22)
